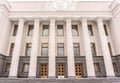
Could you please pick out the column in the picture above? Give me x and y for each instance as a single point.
(34, 50)
(52, 62)
(70, 53)
(87, 48)
(17, 50)
(105, 49)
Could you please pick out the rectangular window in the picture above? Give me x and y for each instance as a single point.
(76, 49)
(30, 30)
(15, 30)
(25, 68)
(28, 49)
(97, 67)
(11, 49)
(75, 30)
(115, 67)
(110, 49)
(7, 68)
(45, 30)
(93, 49)
(60, 31)
(61, 70)
(44, 49)
(105, 28)
(90, 30)
(78, 70)
(43, 71)
(60, 49)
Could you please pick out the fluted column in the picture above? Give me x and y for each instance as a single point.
(87, 48)
(17, 50)
(52, 62)
(105, 49)
(70, 53)
(34, 50)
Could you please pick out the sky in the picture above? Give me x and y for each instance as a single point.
(52, 0)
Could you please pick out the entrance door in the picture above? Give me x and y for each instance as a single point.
(61, 71)
(78, 70)
(43, 71)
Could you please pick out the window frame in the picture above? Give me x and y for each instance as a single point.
(90, 30)
(15, 30)
(94, 48)
(58, 49)
(62, 29)
(27, 46)
(24, 70)
(44, 47)
(30, 30)
(47, 29)
(78, 48)
(77, 34)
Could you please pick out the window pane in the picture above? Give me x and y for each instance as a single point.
(11, 49)
(93, 49)
(76, 49)
(26, 68)
(28, 49)
(60, 30)
(44, 49)
(45, 30)
(90, 30)
(30, 30)
(15, 30)
(97, 67)
(60, 49)
(74, 30)
(115, 67)
(110, 49)
(105, 28)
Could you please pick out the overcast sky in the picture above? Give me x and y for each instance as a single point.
(52, 0)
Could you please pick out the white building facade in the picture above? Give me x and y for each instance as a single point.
(59, 39)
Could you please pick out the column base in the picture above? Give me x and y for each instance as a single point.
(71, 77)
(51, 77)
(13, 77)
(31, 76)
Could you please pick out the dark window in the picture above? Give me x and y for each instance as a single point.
(25, 68)
(28, 49)
(11, 49)
(115, 67)
(44, 49)
(30, 30)
(105, 28)
(60, 31)
(110, 49)
(90, 30)
(45, 30)
(74, 30)
(60, 49)
(93, 49)
(97, 67)
(7, 68)
(15, 30)
(76, 49)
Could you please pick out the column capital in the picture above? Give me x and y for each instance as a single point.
(83, 20)
(68, 19)
(52, 20)
(99, 19)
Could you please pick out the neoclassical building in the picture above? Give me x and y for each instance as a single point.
(60, 41)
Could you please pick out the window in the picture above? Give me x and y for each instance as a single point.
(93, 49)
(115, 67)
(11, 49)
(74, 30)
(44, 49)
(110, 49)
(76, 49)
(90, 30)
(15, 30)
(7, 68)
(105, 28)
(30, 30)
(45, 30)
(78, 70)
(28, 49)
(25, 68)
(43, 71)
(60, 31)
(97, 67)
(60, 49)
(61, 71)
